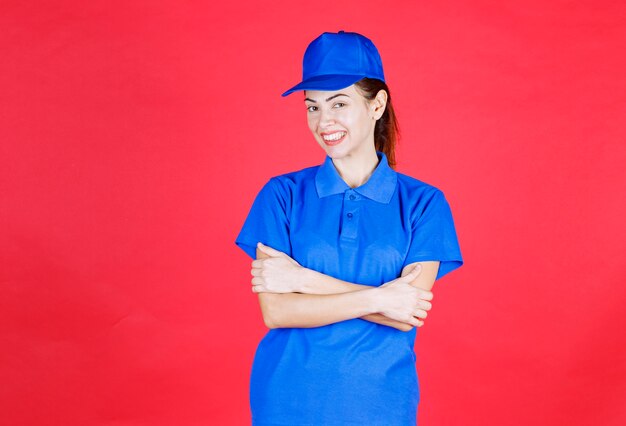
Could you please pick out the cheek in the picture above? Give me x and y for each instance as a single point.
(361, 122)
(351, 118)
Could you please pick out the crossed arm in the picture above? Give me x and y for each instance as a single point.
(302, 297)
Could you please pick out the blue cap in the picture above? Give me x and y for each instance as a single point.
(337, 60)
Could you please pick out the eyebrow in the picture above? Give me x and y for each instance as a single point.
(327, 99)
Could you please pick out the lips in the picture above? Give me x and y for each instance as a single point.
(333, 138)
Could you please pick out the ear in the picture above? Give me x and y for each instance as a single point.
(379, 104)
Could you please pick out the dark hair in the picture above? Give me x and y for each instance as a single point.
(387, 130)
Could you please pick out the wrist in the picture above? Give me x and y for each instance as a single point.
(307, 280)
(375, 299)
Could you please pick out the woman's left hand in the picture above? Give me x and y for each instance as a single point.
(278, 273)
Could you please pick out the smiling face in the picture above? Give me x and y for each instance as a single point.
(342, 121)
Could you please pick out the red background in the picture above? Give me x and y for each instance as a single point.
(135, 136)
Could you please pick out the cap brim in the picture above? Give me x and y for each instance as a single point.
(325, 82)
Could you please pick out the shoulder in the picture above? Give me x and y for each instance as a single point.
(288, 182)
(283, 187)
(295, 178)
(420, 199)
(416, 189)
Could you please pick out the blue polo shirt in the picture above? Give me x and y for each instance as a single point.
(352, 372)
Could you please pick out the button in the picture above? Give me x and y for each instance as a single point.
(349, 215)
(352, 197)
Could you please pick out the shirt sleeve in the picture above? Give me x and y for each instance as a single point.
(433, 235)
(267, 220)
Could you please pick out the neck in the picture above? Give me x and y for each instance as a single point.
(356, 169)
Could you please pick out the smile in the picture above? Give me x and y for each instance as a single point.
(333, 138)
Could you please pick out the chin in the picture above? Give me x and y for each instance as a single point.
(337, 151)
(332, 152)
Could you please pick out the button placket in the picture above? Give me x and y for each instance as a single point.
(351, 215)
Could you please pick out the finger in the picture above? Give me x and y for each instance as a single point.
(425, 294)
(417, 269)
(258, 289)
(257, 272)
(269, 250)
(425, 305)
(257, 281)
(415, 322)
(413, 273)
(419, 313)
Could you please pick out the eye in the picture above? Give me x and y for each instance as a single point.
(309, 108)
(338, 103)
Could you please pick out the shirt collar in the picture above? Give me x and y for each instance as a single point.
(379, 187)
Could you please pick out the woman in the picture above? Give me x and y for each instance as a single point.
(346, 255)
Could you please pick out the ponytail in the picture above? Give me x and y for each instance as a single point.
(386, 130)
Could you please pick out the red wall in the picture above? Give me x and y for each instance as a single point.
(135, 135)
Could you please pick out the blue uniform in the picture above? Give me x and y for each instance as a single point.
(352, 372)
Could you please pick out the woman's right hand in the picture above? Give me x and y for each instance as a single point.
(400, 301)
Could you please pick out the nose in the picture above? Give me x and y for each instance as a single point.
(326, 118)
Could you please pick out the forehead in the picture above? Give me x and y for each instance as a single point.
(322, 95)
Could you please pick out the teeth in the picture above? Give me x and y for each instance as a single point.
(334, 136)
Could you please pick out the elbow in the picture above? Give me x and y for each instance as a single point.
(406, 327)
(269, 322)
(271, 325)
(268, 309)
